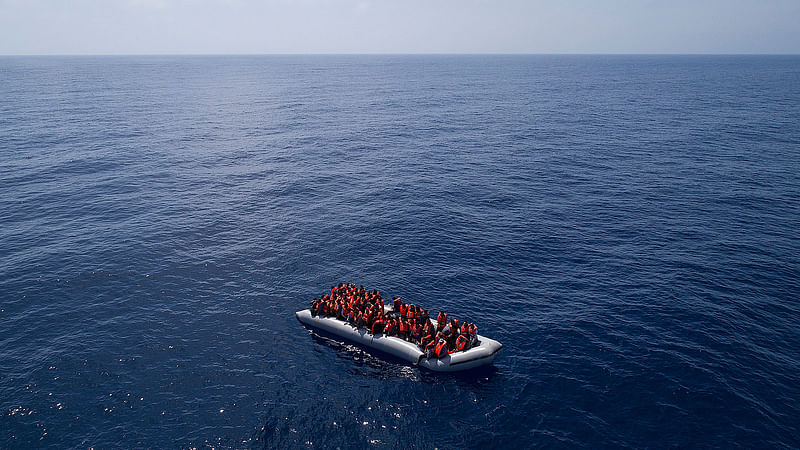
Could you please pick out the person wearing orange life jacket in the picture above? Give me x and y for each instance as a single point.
(408, 330)
(428, 349)
(461, 343)
(377, 327)
(396, 302)
(388, 330)
(403, 309)
(441, 321)
(473, 335)
(440, 351)
(416, 333)
(427, 336)
(402, 328)
(410, 333)
(454, 325)
(410, 313)
(451, 339)
(427, 328)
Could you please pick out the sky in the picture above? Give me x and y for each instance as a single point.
(78, 27)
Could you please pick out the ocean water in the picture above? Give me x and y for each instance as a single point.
(627, 226)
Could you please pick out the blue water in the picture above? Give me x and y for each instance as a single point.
(627, 226)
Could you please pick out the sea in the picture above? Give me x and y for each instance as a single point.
(627, 226)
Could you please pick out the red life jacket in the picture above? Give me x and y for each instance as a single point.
(441, 349)
(403, 309)
(441, 321)
(461, 342)
(410, 313)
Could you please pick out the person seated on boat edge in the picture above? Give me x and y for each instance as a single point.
(388, 329)
(411, 335)
(399, 327)
(370, 317)
(440, 350)
(410, 332)
(428, 338)
(339, 311)
(331, 308)
(322, 307)
(462, 344)
(396, 302)
(429, 348)
(428, 332)
(377, 326)
(314, 306)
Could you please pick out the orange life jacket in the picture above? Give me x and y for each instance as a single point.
(461, 342)
(441, 349)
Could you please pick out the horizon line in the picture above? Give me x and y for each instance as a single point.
(409, 54)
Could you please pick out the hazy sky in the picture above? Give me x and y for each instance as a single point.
(398, 26)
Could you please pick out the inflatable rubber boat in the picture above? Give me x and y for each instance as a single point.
(480, 355)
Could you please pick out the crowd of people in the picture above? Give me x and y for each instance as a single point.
(365, 309)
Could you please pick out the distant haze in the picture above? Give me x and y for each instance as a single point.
(394, 26)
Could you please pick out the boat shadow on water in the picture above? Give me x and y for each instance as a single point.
(384, 366)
